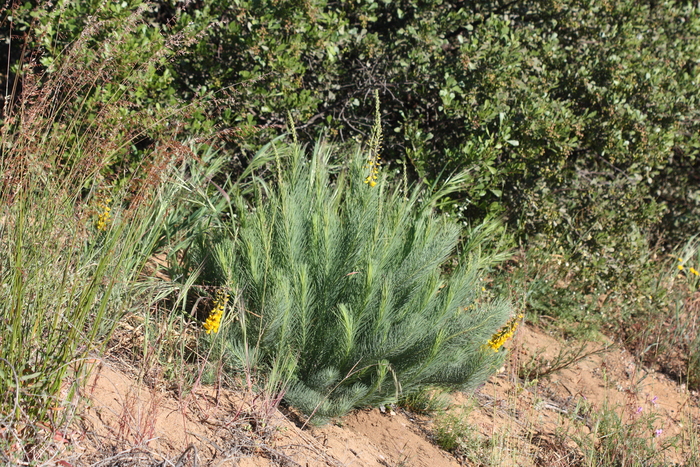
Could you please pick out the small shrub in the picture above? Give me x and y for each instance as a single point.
(350, 292)
(682, 336)
(452, 430)
(659, 324)
(428, 401)
(624, 437)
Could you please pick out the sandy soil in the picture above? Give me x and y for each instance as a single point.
(522, 423)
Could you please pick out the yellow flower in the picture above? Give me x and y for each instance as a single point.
(213, 321)
(373, 165)
(105, 216)
(680, 267)
(694, 271)
(503, 334)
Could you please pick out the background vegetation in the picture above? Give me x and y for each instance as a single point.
(577, 121)
(574, 124)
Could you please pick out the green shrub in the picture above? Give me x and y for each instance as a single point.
(350, 292)
(576, 119)
(625, 437)
(453, 432)
(679, 346)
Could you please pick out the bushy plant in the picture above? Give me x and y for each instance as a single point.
(453, 432)
(678, 351)
(625, 437)
(575, 119)
(348, 292)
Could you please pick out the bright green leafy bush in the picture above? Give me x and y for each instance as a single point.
(577, 120)
(349, 292)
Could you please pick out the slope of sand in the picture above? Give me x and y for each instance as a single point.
(510, 421)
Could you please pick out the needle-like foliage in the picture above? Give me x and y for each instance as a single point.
(349, 293)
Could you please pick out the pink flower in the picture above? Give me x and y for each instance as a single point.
(658, 432)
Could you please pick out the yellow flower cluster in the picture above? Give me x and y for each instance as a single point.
(105, 216)
(373, 166)
(213, 322)
(503, 334)
(692, 270)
